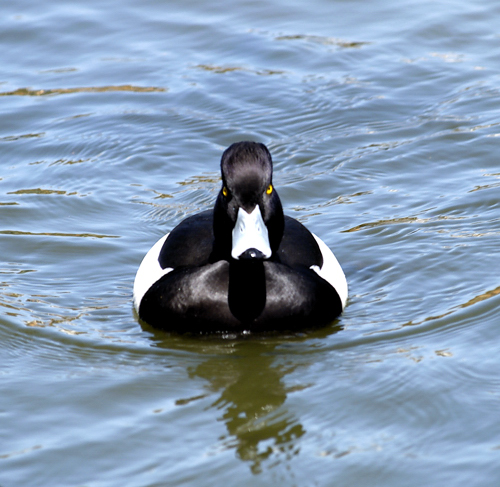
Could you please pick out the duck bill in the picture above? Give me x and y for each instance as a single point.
(250, 236)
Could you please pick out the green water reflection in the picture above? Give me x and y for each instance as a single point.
(248, 378)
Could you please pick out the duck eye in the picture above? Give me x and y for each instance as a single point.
(269, 189)
(225, 192)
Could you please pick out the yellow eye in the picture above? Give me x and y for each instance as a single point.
(269, 189)
(224, 191)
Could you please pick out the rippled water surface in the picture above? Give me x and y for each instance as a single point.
(383, 121)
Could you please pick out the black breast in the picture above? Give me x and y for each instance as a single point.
(298, 248)
(190, 243)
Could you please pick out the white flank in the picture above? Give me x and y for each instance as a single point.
(149, 272)
(331, 271)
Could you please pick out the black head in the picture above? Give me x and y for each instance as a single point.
(247, 171)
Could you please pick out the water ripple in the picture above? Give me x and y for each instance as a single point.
(84, 89)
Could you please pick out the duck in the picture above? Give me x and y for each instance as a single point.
(243, 266)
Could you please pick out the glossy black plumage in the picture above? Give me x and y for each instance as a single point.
(209, 290)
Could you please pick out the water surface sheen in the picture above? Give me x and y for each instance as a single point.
(383, 120)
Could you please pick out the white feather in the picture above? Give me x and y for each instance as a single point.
(331, 271)
(149, 272)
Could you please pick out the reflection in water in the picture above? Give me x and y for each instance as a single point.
(433, 320)
(326, 41)
(476, 299)
(83, 89)
(252, 391)
(56, 234)
(252, 396)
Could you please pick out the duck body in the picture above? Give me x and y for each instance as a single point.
(243, 266)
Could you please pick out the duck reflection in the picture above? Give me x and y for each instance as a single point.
(252, 398)
(248, 376)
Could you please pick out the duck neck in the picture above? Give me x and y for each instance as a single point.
(222, 227)
(247, 289)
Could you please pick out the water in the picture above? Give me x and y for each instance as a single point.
(382, 118)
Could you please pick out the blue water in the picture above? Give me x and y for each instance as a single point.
(383, 121)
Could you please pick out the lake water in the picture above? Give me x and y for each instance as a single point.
(383, 119)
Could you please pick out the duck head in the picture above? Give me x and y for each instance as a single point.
(248, 216)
